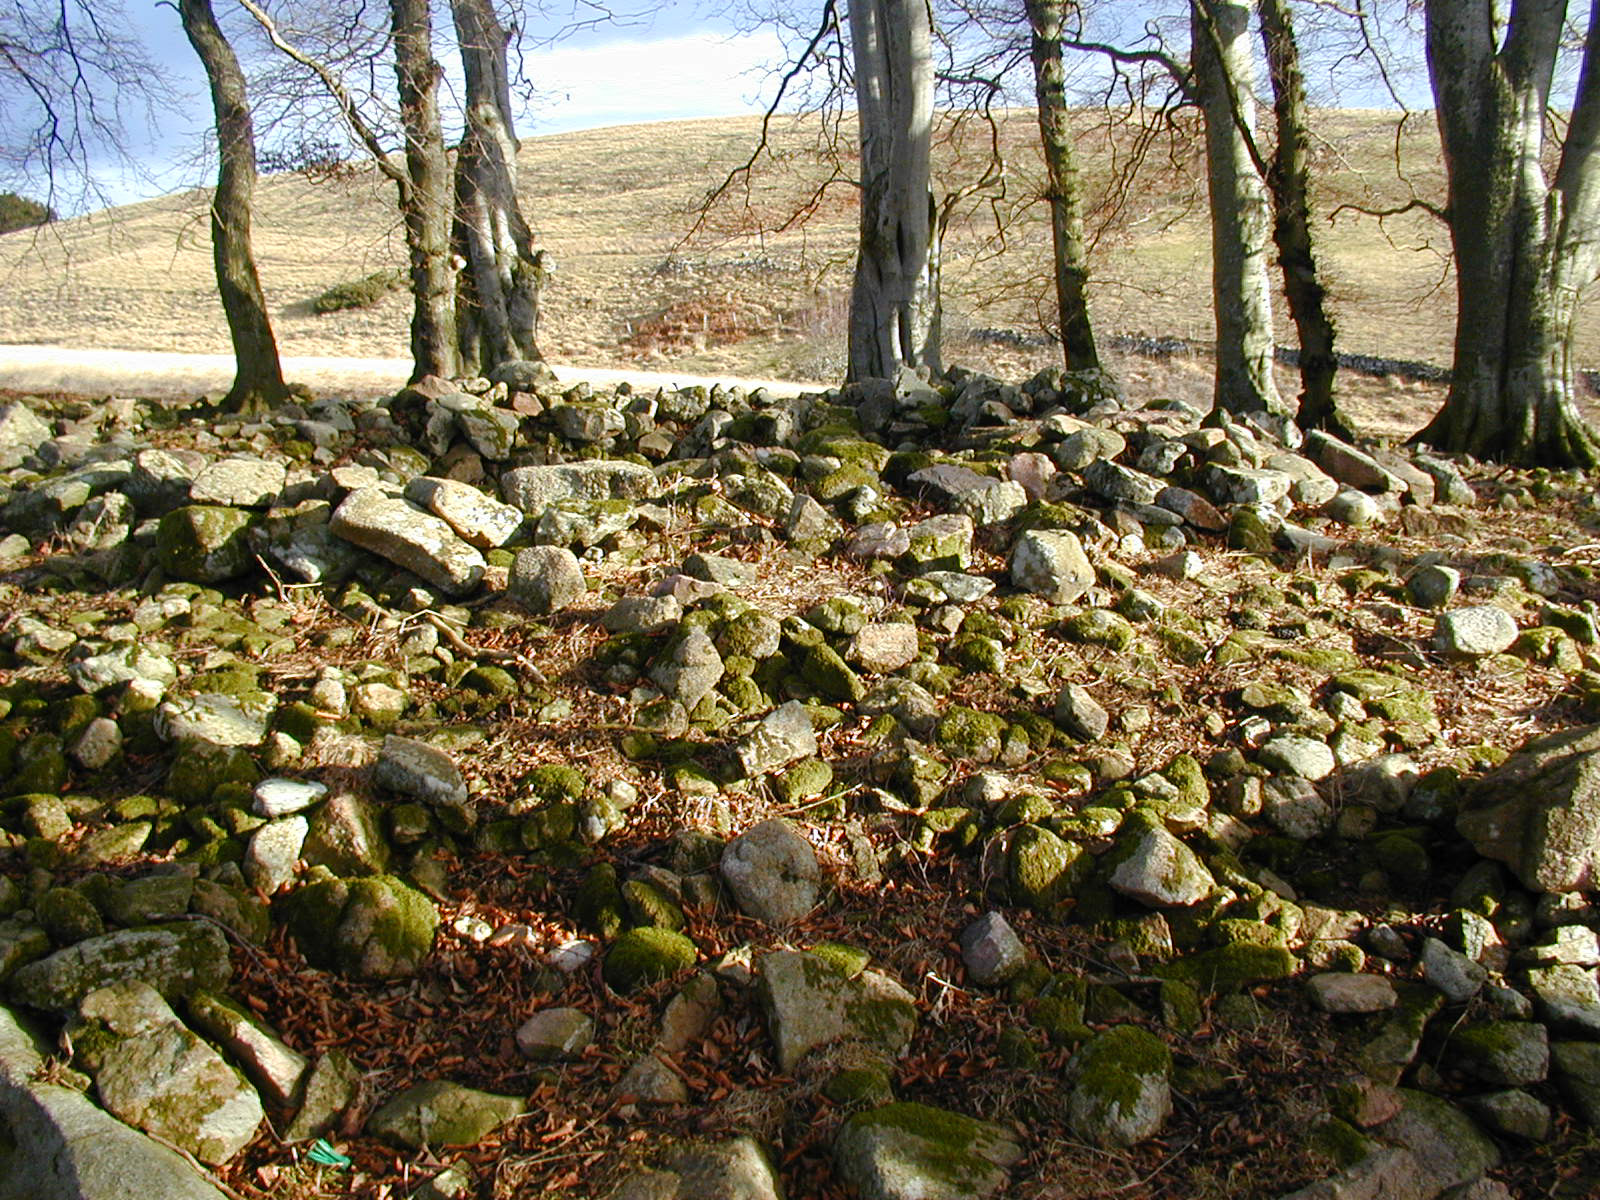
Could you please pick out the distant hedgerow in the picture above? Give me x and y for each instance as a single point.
(358, 293)
(18, 212)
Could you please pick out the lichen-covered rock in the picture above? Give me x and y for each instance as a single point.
(1051, 564)
(204, 544)
(552, 1034)
(546, 579)
(914, 1152)
(689, 668)
(1043, 869)
(238, 482)
(1155, 868)
(785, 735)
(441, 1113)
(419, 771)
(479, 519)
(809, 1003)
(533, 489)
(174, 959)
(410, 537)
(736, 1169)
(1539, 812)
(772, 872)
(270, 1065)
(1121, 1092)
(372, 928)
(154, 1074)
(1474, 632)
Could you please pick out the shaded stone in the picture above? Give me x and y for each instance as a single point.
(204, 544)
(1339, 992)
(1448, 1146)
(372, 928)
(1508, 1053)
(1539, 812)
(991, 950)
(1575, 1067)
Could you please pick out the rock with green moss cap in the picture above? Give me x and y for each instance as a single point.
(441, 1113)
(1449, 1147)
(809, 1004)
(647, 955)
(372, 928)
(204, 543)
(1122, 1092)
(175, 959)
(1041, 868)
(912, 1151)
(971, 733)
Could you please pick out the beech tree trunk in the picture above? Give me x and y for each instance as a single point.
(1046, 19)
(894, 301)
(427, 199)
(1289, 178)
(1240, 214)
(1526, 243)
(497, 309)
(258, 375)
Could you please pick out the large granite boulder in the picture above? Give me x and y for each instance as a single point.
(1539, 812)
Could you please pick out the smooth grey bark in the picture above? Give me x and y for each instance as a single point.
(427, 201)
(894, 299)
(1527, 242)
(497, 309)
(1046, 19)
(1222, 78)
(1289, 180)
(258, 374)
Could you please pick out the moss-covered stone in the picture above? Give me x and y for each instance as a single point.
(1042, 869)
(599, 906)
(441, 1113)
(970, 733)
(644, 956)
(1229, 968)
(1121, 1094)
(905, 1149)
(372, 928)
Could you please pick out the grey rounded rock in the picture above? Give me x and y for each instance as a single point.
(546, 579)
(772, 872)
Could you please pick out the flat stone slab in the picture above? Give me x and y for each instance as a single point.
(409, 537)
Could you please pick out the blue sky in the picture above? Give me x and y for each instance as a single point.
(670, 63)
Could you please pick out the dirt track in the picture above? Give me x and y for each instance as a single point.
(160, 373)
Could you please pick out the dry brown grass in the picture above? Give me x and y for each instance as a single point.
(613, 206)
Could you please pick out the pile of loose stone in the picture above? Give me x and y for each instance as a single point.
(1045, 587)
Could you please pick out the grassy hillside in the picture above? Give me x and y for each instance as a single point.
(614, 206)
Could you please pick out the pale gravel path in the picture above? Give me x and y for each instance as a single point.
(158, 372)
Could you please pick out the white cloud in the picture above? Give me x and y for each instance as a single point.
(675, 78)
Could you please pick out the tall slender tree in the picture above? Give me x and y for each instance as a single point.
(1046, 19)
(258, 375)
(427, 216)
(1222, 77)
(1525, 224)
(1289, 181)
(894, 299)
(498, 303)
